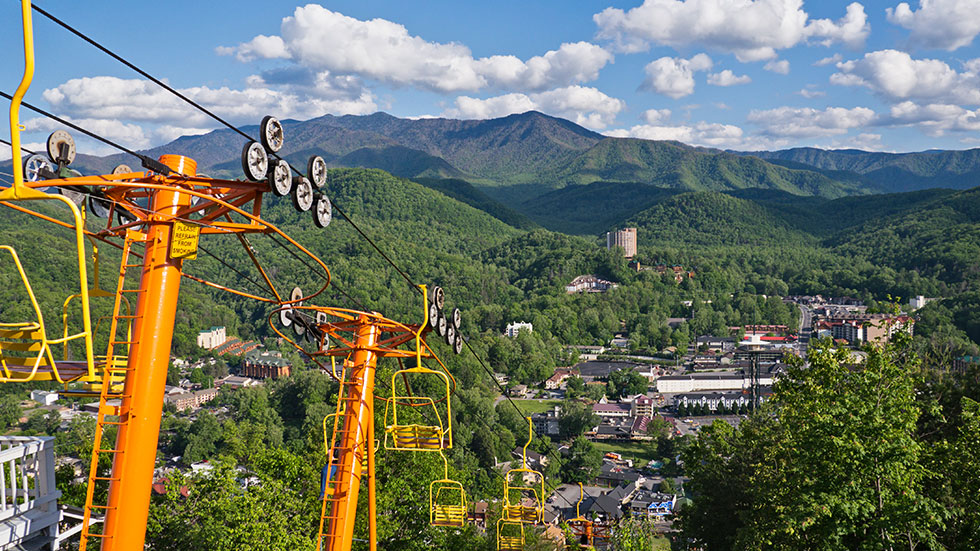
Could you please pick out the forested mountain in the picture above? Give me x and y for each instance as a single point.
(514, 159)
(889, 172)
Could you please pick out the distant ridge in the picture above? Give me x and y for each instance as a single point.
(889, 172)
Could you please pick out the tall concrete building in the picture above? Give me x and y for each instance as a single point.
(625, 238)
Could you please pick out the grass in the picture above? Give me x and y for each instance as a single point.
(629, 450)
(661, 543)
(535, 406)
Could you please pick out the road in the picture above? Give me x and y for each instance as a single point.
(806, 327)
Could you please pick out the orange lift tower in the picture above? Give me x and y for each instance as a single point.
(162, 211)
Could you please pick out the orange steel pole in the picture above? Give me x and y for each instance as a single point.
(372, 486)
(149, 356)
(358, 424)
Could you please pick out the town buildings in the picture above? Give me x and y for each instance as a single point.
(589, 284)
(265, 365)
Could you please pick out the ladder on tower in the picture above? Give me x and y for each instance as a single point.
(337, 485)
(110, 414)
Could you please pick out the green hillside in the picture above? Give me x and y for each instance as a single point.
(675, 165)
(708, 218)
(400, 161)
(593, 208)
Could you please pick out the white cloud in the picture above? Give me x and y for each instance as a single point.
(585, 106)
(805, 122)
(323, 40)
(781, 66)
(727, 78)
(260, 47)
(943, 24)
(828, 60)
(934, 119)
(111, 98)
(810, 93)
(897, 77)
(128, 135)
(6, 152)
(864, 141)
(705, 134)
(751, 29)
(674, 77)
(656, 116)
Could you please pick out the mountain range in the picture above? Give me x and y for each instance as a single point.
(532, 168)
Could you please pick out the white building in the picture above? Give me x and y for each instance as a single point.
(212, 337)
(514, 328)
(700, 382)
(44, 397)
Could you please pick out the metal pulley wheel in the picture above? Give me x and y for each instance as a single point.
(61, 148)
(124, 217)
(99, 205)
(442, 325)
(322, 211)
(34, 166)
(456, 318)
(76, 194)
(299, 325)
(121, 169)
(316, 171)
(458, 343)
(438, 296)
(286, 314)
(271, 133)
(450, 334)
(255, 161)
(303, 194)
(280, 182)
(434, 316)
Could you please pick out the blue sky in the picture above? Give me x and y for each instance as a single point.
(738, 74)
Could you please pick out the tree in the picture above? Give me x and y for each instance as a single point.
(575, 419)
(575, 387)
(835, 460)
(626, 382)
(583, 462)
(9, 411)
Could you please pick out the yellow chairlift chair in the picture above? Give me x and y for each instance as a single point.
(524, 490)
(25, 349)
(418, 437)
(510, 535)
(447, 500)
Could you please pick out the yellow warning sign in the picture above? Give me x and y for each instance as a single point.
(183, 240)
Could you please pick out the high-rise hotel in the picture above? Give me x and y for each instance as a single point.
(625, 238)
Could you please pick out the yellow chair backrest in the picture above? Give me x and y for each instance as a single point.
(25, 350)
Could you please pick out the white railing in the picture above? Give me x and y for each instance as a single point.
(28, 495)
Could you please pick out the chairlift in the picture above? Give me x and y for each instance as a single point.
(524, 485)
(415, 436)
(447, 500)
(581, 527)
(510, 535)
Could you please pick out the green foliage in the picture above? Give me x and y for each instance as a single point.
(582, 463)
(835, 460)
(576, 418)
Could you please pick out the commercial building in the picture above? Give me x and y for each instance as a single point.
(514, 328)
(211, 338)
(625, 238)
(265, 365)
